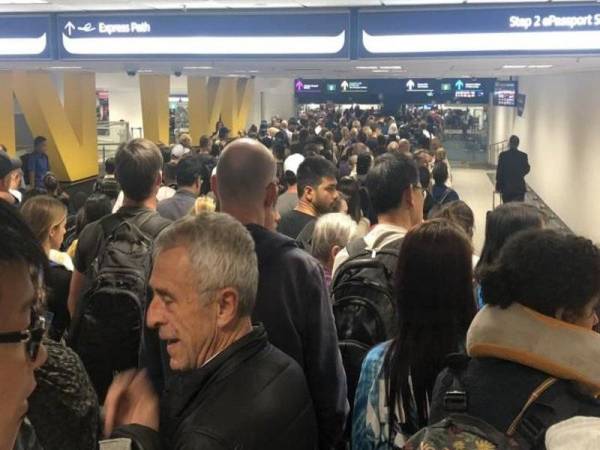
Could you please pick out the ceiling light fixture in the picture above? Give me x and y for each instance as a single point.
(380, 71)
(514, 66)
(366, 67)
(540, 66)
(65, 68)
(23, 2)
(197, 67)
(145, 71)
(391, 67)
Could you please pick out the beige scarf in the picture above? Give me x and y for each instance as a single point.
(527, 337)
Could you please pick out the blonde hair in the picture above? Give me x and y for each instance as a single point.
(440, 154)
(203, 205)
(331, 229)
(42, 213)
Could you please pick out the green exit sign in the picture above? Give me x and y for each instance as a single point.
(446, 86)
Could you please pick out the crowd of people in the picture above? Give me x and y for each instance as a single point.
(303, 286)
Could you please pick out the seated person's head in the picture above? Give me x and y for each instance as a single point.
(551, 272)
(332, 233)
(393, 185)
(317, 184)
(205, 279)
(138, 166)
(22, 264)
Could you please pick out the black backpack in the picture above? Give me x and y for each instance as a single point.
(110, 317)
(437, 205)
(464, 431)
(109, 187)
(363, 302)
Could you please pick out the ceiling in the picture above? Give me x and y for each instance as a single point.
(389, 68)
(100, 5)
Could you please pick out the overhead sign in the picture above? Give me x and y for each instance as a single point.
(479, 30)
(270, 34)
(307, 87)
(26, 37)
(505, 93)
(353, 86)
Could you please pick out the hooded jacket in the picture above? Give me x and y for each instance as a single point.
(293, 306)
(513, 351)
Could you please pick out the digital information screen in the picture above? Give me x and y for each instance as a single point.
(505, 93)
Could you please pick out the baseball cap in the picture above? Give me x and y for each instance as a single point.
(8, 164)
(292, 163)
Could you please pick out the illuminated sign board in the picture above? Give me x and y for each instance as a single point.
(273, 34)
(26, 37)
(479, 30)
(505, 93)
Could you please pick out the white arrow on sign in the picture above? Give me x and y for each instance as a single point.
(410, 85)
(344, 84)
(70, 27)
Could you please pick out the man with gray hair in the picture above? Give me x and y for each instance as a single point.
(292, 300)
(230, 387)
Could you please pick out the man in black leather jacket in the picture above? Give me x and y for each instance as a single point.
(230, 388)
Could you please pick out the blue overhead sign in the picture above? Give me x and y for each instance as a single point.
(479, 30)
(281, 34)
(26, 37)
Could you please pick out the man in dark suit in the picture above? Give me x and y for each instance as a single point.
(510, 174)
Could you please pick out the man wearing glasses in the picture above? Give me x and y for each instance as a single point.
(21, 328)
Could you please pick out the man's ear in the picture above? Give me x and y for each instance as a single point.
(213, 185)
(407, 197)
(228, 306)
(271, 196)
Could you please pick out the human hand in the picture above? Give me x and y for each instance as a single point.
(131, 399)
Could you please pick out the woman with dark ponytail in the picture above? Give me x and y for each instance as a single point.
(435, 306)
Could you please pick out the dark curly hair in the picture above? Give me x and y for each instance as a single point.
(544, 270)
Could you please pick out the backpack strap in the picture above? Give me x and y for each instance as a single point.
(356, 247)
(535, 395)
(444, 197)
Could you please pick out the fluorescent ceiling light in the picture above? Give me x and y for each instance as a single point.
(145, 71)
(481, 42)
(253, 71)
(366, 67)
(420, 2)
(23, 2)
(198, 67)
(505, 1)
(206, 45)
(391, 67)
(514, 66)
(380, 71)
(65, 68)
(540, 66)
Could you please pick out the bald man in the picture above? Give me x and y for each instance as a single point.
(292, 300)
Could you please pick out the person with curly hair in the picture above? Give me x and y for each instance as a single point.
(542, 295)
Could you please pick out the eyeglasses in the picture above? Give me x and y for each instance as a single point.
(32, 337)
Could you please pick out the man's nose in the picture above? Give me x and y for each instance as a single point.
(154, 316)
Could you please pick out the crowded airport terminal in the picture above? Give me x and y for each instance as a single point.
(299, 225)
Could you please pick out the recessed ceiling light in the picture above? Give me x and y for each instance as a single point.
(197, 67)
(380, 71)
(514, 66)
(366, 67)
(253, 71)
(145, 71)
(540, 66)
(23, 2)
(391, 67)
(65, 68)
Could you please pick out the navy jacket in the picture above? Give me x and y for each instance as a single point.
(293, 305)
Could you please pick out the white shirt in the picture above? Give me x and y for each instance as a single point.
(370, 238)
(163, 193)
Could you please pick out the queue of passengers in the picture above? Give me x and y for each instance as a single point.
(333, 301)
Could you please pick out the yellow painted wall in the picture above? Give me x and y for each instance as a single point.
(7, 113)
(154, 90)
(70, 129)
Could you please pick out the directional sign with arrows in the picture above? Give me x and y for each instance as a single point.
(410, 85)
(459, 85)
(70, 28)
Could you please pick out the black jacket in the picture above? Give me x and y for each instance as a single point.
(249, 397)
(498, 389)
(513, 165)
(293, 305)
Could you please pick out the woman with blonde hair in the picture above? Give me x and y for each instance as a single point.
(47, 218)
